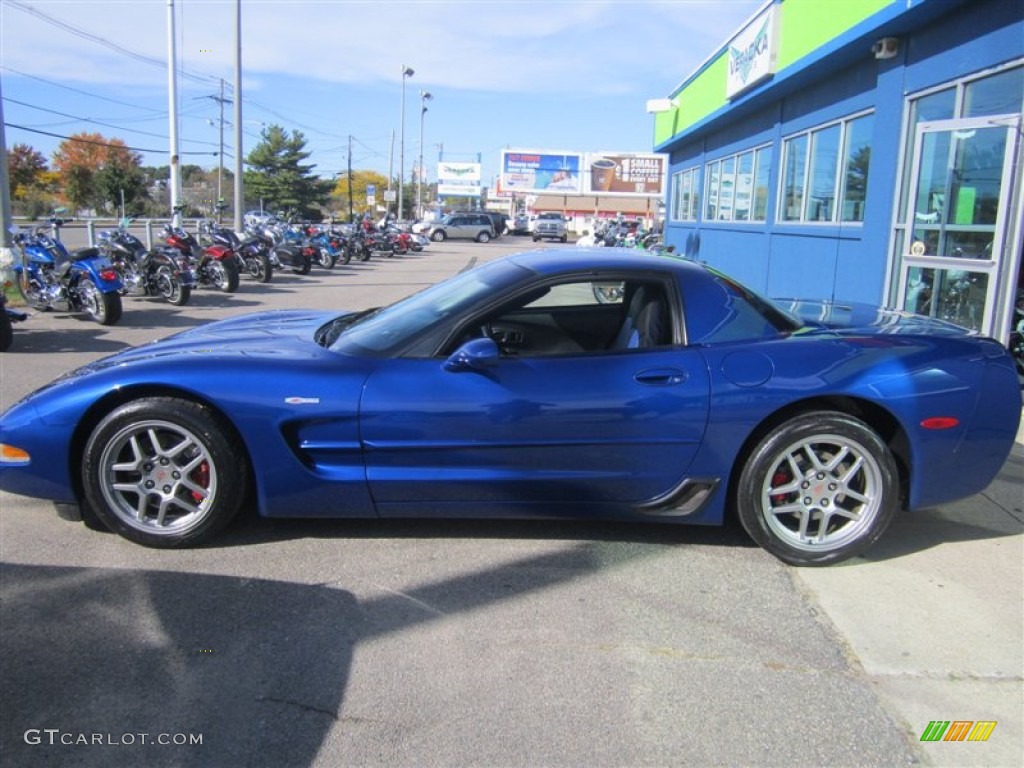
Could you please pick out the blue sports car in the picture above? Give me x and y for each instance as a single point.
(560, 383)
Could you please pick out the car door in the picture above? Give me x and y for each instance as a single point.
(593, 429)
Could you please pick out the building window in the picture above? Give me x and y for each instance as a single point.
(736, 187)
(684, 195)
(823, 166)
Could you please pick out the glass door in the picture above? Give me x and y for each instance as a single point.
(959, 219)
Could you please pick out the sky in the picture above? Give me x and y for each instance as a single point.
(569, 75)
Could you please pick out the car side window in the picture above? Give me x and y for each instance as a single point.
(582, 317)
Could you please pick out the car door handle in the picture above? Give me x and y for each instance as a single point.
(660, 377)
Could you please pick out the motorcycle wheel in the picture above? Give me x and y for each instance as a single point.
(6, 331)
(326, 259)
(303, 266)
(364, 253)
(346, 254)
(224, 276)
(171, 289)
(104, 308)
(31, 291)
(260, 268)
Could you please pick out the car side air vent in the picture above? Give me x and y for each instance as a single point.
(686, 499)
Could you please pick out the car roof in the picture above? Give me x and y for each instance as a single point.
(556, 260)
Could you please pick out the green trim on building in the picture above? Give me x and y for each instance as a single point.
(809, 24)
(804, 26)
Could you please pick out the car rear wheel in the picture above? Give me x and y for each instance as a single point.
(438, 237)
(164, 472)
(483, 237)
(820, 489)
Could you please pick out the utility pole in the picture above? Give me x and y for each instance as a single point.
(351, 213)
(172, 97)
(239, 191)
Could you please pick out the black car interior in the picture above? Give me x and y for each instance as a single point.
(639, 318)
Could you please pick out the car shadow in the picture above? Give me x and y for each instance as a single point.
(108, 667)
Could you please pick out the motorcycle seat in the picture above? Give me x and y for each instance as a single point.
(89, 252)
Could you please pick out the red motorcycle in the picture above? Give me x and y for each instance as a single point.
(215, 265)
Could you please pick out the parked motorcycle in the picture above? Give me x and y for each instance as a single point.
(1016, 343)
(252, 255)
(330, 247)
(51, 278)
(164, 273)
(282, 255)
(214, 264)
(8, 317)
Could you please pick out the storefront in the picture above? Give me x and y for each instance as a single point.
(859, 150)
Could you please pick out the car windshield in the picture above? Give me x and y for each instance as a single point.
(383, 331)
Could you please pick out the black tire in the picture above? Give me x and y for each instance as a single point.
(326, 259)
(439, 236)
(171, 289)
(260, 268)
(164, 472)
(304, 266)
(104, 308)
(30, 291)
(565, 238)
(536, 239)
(820, 489)
(6, 331)
(224, 275)
(483, 237)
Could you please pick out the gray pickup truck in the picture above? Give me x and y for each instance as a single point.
(551, 226)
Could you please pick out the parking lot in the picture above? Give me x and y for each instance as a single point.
(489, 643)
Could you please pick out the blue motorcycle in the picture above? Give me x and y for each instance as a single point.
(51, 278)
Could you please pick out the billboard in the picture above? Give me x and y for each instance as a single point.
(458, 179)
(536, 171)
(625, 173)
(752, 53)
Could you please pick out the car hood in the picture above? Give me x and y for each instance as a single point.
(262, 334)
(866, 318)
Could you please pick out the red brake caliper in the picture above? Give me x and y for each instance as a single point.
(778, 479)
(201, 477)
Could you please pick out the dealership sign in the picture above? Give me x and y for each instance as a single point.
(458, 179)
(625, 174)
(752, 53)
(539, 171)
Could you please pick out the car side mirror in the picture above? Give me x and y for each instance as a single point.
(474, 355)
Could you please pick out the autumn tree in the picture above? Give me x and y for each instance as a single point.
(279, 177)
(25, 168)
(361, 181)
(96, 171)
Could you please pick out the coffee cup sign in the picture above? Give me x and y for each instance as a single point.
(602, 174)
(627, 174)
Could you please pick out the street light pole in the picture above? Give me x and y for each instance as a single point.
(424, 97)
(406, 72)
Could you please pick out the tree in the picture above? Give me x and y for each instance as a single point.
(278, 177)
(361, 180)
(25, 168)
(90, 165)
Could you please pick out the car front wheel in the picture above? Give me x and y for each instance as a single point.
(164, 472)
(820, 489)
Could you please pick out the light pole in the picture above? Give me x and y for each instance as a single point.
(406, 72)
(424, 97)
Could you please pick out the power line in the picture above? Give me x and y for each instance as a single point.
(157, 113)
(97, 122)
(103, 41)
(100, 143)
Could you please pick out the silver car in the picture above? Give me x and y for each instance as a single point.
(463, 226)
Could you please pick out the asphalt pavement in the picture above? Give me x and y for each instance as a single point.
(490, 643)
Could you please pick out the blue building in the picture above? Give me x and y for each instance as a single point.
(861, 150)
